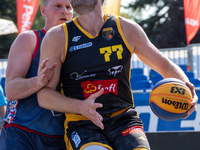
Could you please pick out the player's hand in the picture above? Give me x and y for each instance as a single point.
(45, 73)
(89, 109)
(194, 102)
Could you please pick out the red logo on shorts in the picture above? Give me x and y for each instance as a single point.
(91, 87)
(132, 129)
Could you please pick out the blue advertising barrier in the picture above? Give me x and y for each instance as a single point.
(154, 124)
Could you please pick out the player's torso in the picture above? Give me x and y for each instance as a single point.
(98, 62)
(27, 113)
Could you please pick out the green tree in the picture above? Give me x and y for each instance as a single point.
(165, 27)
(39, 20)
(7, 11)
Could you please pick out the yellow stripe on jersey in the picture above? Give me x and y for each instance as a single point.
(66, 40)
(83, 30)
(122, 34)
(80, 28)
(127, 45)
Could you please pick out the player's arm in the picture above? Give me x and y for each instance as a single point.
(152, 57)
(2, 113)
(19, 60)
(53, 47)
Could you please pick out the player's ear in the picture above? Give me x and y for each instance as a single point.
(43, 10)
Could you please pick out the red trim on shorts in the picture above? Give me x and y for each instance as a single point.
(32, 131)
(132, 129)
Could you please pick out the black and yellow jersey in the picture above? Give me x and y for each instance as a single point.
(92, 63)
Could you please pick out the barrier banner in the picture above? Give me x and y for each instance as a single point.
(154, 124)
(192, 18)
(26, 11)
(112, 7)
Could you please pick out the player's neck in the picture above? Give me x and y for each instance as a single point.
(91, 22)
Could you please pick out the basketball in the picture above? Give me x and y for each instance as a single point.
(170, 99)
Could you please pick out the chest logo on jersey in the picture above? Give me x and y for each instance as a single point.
(91, 87)
(115, 70)
(108, 51)
(83, 75)
(108, 33)
(76, 38)
(78, 47)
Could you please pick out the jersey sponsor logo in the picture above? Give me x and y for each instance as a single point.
(132, 129)
(76, 38)
(76, 76)
(115, 70)
(78, 47)
(91, 87)
(108, 51)
(108, 33)
(75, 137)
(11, 111)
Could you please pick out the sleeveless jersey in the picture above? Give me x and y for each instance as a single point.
(27, 114)
(93, 63)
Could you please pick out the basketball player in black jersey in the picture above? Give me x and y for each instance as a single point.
(93, 54)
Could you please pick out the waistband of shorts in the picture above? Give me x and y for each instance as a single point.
(30, 130)
(77, 117)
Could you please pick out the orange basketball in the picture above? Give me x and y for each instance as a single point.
(170, 99)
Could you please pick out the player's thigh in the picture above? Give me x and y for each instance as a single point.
(17, 139)
(85, 139)
(132, 138)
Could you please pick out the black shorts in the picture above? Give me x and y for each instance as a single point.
(12, 138)
(121, 132)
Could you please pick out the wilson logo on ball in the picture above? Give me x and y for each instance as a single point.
(176, 104)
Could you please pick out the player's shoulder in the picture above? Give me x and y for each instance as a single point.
(128, 23)
(56, 29)
(27, 35)
(55, 32)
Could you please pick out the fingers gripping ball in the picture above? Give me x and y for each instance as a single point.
(170, 99)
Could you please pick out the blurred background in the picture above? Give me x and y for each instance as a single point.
(165, 23)
(162, 20)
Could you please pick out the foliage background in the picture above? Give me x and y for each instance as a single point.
(165, 27)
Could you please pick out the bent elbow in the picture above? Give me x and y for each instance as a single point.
(9, 96)
(40, 100)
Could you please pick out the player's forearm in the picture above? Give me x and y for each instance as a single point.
(3, 111)
(20, 88)
(50, 99)
(174, 71)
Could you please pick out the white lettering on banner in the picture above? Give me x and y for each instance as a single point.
(192, 123)
(28, 0)
(26, 17)
(191, 22)
(153, 121)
